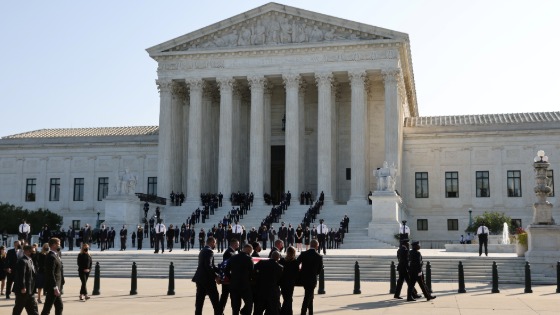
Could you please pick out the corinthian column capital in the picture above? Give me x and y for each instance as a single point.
(391, 75)
(195, 84)
(324, 78)
(357, 77)
(256, 82)
(291, 81)
(225, 84)
(164, 85)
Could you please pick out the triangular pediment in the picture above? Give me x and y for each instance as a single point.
(273, 25)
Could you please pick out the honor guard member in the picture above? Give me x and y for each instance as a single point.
(24, 230)
(404, 231)
(322, 231)
(416, 274)
(482, 233)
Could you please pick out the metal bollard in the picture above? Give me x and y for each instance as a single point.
(528, 278)
(357, 279)
(429, 276)
(171, 287)
(96, 280)
(393, 286)
(558, 277)
(321, 289)
(133, 280)
(461, 279)
(495, 278)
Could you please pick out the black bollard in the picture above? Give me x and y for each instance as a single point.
(133, 280)
(357, 279)
(429, 276)
(321, 289)
(495, 278)
(558, 277)
(528, 278)
(393, 286)
(96, 280)
(461, 279)
(171, 287)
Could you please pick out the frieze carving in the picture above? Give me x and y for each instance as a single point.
(275, 29)
(385, 54)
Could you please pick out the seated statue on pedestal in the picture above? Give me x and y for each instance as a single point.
(386, 177)
(126, 183)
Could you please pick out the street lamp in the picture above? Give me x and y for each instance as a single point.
(470, 217)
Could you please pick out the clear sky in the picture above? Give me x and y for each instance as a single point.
(75, 64)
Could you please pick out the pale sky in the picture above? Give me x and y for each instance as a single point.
(67, 64)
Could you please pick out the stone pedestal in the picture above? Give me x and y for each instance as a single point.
(122, 209)
(385, 216)
(544, 248)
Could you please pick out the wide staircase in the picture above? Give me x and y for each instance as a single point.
(337, 267)
(360, 217)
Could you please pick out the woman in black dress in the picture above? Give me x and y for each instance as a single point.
(299, 238)
(84, 268)
(306, 237)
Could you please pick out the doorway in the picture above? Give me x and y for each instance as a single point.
(277, 166)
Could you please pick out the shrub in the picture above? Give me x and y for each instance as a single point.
(11, 216)
(494, 221)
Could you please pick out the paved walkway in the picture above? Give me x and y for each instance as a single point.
(152, 299)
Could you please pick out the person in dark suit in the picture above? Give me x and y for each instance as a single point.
(170, 236)
(10, 266)
(139, 236)
(415, 271)
(123, 234)
(24, 284)
(278, 246)
(230, 252)
(205, 277)
(268, 274)
(288, 280)
(311, 265)
(240, 267)
(84, 268)
(482, 233)
(54, 279)
(402, 268)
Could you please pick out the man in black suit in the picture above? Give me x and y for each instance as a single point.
(229, 253)
(71, 234)
(54, 279)
(268, 274)
(402, 268)
(416, 275)
(240, 267)
(123, 233)
(311, 265)
(24, 284)
(205, 277)
(11, 262)
(278, 246)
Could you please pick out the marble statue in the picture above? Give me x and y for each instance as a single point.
(386, 177)
(127, 183)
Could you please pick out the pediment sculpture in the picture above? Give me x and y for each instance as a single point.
(275, 29)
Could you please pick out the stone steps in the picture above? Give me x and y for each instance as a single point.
(337, 267)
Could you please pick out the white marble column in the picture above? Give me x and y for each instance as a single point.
(225, 150)
(185, 132)
(358, 116)
(256, 157)
(301, 129)
(335, 99)
(324, 135)
(178, 100)
(392, 121)
(292, 142)
(267, 135)
(195, 141)
(164, 138)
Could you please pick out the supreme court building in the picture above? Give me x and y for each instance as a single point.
(282, 99)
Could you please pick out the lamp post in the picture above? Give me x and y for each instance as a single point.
(470, 217)
(97, 224)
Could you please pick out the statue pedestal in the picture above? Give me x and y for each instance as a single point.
(122, 209)
(544, 248)
(385, 212)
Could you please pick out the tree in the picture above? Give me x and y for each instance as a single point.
(11, 216)
(494, 221)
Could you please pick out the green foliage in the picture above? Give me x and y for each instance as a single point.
(11, 216)
(493, 220)
(522, 239)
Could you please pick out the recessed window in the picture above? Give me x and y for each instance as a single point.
(422, 224)
(76, 225)
(102, 188)
(421, 184)
(30, 187)
(550, 178)
(348, 174)
(514, 183)
(452, 184)
(516, 223)
(54, 192)
(78, 189)
(482, 184)
(152, 186)
(452, 224)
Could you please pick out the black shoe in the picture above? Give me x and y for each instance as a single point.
(397, 297)
(433, 297)
(418, 296)
(410, 300)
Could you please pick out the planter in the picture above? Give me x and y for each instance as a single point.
(520, 249)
